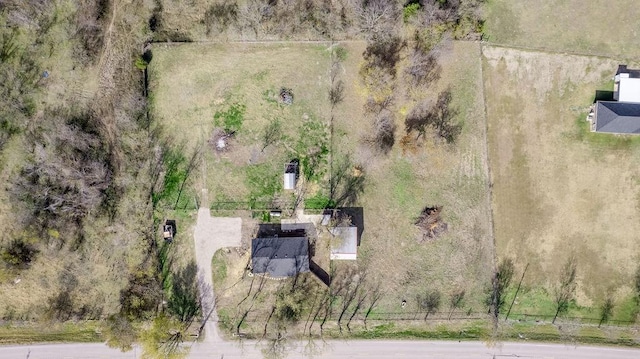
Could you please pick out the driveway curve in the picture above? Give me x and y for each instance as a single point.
(211, 234)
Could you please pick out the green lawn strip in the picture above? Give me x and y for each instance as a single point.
(219, 268)
(597, 141)
(551, 333)
(476, 330)
(42, 332)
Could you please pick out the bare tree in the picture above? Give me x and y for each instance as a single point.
(347, 182)
(606, 310)
(439, 116)
(336, 93)
(272, 133)
(384, 131)
(637, 283)
(429, 302)
(378, 18)
(69, 170)
(423, 67)
(252, 15)
(363, 294)
(456, 301)
(500, 283)
(352, 282)
(564, 291)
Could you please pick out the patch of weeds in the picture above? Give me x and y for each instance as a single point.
(312, 149)
(269, 96)
(231, 119)
(224, 318)
(260, 76)
(319, 201)
(443, 331)
(219, 267)
(410, 10)
(84, 332)
(340, 53)
(404, 182)
(627, 310)
(176, 173)
(263, 182)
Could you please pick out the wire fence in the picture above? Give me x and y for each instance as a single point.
(452, 316)
(250, 205)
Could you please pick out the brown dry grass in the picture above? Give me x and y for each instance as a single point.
(191, 82)
(400, 185)
(599, 27)
(557, 188)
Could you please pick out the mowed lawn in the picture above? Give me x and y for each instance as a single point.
(599, 27)
(560, 190)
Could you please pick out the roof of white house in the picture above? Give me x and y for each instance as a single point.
(628, 88)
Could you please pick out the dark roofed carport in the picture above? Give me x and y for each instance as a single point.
(617, 117)
(280, 257)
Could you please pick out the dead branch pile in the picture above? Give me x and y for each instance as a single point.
(430, 223)
(220, 140)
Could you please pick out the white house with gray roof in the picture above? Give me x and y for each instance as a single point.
(622, 115)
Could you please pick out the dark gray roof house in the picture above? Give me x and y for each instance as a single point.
(280, 257)
(622, 115)
(617, 117)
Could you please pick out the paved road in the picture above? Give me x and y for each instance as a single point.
(379, 349)
(211, 234)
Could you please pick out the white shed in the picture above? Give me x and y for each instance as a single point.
(289, 181)
(290, 175)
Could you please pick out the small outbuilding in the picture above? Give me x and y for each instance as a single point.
(290, 175)
(280, 257)
(344, 243)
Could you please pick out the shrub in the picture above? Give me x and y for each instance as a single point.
(340, 53)
(19, 253)
(219, 17)
(140, 63)
(142, 296)
(409, 11)
(231, 119)
(383, 53)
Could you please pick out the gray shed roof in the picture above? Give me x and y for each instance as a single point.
(280, 257)
(618, 117)
(344, 243)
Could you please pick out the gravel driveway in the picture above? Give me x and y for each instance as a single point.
(211, 234)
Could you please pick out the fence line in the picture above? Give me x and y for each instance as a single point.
(250, 205)
(454, 316)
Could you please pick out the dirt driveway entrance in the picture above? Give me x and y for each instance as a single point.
(211, 234)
